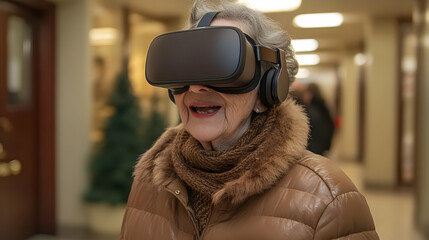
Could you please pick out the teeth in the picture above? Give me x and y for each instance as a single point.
(205, 110)
(201, 111)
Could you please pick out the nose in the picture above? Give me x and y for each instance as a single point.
(198, 88)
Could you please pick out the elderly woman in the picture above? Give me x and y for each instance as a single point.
(236, 167)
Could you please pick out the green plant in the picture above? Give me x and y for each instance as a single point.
(155, 124)
(113, 160)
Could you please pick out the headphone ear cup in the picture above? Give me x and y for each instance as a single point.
(266, 88)
(171, 96)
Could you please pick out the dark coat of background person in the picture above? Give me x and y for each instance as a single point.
(321, 122)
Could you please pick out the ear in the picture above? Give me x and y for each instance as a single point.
(260, 106)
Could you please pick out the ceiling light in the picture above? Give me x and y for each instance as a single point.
(305, 45)
(318, 20)
(308, 59)
(272, 5)
(103, 36)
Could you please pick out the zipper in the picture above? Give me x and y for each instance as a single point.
(189, 211)
(191, 216)
(208, 220)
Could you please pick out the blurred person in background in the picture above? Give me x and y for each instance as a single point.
(237, 165)
(321, 122)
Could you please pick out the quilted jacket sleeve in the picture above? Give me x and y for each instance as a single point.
(347, 216)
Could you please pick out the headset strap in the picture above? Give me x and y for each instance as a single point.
(207, 19)
(267, 54)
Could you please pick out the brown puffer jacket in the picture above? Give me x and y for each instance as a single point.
(296, 195)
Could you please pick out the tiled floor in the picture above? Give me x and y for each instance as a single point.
(392, 210)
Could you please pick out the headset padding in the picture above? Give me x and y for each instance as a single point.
(266, 87)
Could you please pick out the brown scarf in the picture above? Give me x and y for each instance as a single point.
(206, 172)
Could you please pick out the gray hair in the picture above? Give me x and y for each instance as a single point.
(263, 30)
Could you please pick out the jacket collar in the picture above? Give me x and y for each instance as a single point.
(155, 165)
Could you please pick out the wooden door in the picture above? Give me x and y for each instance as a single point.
(18, 179)
(24, 193)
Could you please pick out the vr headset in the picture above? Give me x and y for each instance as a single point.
(222, 58)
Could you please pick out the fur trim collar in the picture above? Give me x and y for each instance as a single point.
(155, 165)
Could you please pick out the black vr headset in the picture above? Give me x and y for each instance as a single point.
(221, 58)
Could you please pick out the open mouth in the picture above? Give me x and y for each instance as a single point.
(205, 109)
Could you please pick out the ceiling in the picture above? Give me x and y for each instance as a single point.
(333, 42)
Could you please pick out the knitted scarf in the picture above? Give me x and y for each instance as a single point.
(206, 171)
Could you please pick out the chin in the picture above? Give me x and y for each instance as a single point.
(204, 133)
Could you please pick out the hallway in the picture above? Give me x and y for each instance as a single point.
(392, 210)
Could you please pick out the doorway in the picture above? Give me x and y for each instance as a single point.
(27, 183)
(407, 104)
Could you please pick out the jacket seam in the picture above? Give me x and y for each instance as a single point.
(285, 218)
(326, 207)
(155, 214)
(321, 178)
(298, 190)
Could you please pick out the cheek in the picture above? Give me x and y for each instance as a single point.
(183, 110)
(240, 107)
(245, 102)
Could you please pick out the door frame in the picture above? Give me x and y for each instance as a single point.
(45, 111)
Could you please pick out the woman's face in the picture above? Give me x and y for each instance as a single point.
(217, 119)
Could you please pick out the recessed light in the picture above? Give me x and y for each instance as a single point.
(308, 59)
(272, 5)
(103, 36)
(305, 45)
(318, 20)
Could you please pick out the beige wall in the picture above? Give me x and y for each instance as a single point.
(72, 110)
(349, 109)
(423, 127)
(381, 102)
